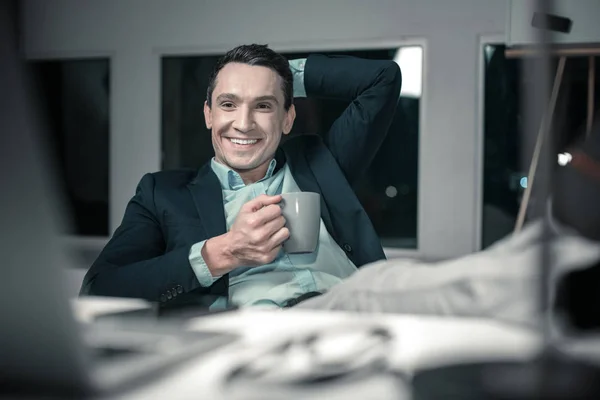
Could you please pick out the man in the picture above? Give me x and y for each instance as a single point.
(502, 281)
(218, 231)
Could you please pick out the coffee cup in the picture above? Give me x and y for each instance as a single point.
(302, 213)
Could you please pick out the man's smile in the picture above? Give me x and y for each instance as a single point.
(239, 143)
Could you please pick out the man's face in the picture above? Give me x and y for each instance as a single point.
(247, 116)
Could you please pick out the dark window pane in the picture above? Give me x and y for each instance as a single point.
(74, 97)
(388, 190)
(506, 160)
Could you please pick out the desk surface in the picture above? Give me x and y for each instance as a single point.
(418, 342)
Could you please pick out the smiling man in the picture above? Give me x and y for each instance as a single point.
(219, 231)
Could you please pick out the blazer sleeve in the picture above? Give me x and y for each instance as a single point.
(373, 88)
(134, 262)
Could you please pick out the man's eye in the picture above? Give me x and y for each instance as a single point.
(227, 105)
(264, 106)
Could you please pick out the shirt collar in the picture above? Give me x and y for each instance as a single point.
(231, 180)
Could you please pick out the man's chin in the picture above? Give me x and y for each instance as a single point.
(242, 165)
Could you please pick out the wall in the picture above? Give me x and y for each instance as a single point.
(583, 13)
(134, 33)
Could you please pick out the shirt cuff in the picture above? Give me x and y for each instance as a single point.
(199, 265)
(297, 68)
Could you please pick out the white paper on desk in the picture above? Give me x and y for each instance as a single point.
(88, 308)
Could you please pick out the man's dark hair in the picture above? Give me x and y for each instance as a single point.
(259, 55)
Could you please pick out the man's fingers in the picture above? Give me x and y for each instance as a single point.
(279, 237)
(267, 214)
(274, 225)
(261, 201)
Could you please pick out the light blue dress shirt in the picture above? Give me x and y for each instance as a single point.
(289, 275)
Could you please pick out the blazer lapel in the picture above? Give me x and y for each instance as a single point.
(208, 198)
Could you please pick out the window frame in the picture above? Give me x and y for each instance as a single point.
(73, 241)
(483, 41)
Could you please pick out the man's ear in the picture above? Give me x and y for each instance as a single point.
(288, 122)
(207, 116)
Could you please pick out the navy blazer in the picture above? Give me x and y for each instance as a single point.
(147, 257)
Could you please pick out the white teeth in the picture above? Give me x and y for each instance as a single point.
(244, 141)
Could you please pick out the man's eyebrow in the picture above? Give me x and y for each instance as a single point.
(227, 96)
(233, 97)
(267, 98)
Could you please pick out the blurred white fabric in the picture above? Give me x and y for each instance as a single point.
(501, 282)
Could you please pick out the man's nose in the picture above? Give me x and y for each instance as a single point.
(244, 121)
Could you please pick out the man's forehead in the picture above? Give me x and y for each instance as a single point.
(244, 79)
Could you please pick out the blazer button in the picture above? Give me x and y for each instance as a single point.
(169, 295)
(163, 298)
(348, 248)
(179, 289)
(174, 292)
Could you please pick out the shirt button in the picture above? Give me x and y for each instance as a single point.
(179, 289)
(348, 248)
(163, 298)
